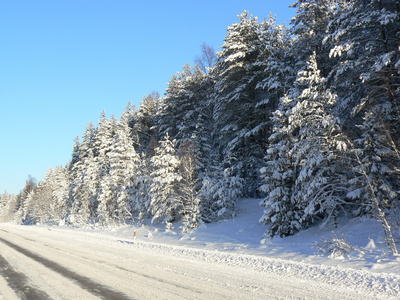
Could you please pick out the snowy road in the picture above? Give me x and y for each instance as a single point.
(44, 263)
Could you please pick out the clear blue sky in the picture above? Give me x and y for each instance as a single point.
(64, 61)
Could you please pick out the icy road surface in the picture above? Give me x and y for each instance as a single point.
(54, 263)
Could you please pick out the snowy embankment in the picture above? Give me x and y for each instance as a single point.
(368, 267)
(345, 278)
(216, 261)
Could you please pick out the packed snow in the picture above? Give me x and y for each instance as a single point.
(363, 270)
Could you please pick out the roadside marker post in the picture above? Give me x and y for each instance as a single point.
(134, 236)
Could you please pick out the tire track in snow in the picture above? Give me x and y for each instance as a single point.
(84, 282)
(104, 263)
(18, 282)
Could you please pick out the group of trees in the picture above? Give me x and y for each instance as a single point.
(305, 117)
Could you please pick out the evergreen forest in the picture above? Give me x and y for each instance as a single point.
(304, 117)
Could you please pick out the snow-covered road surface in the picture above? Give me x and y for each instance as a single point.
(56, 263)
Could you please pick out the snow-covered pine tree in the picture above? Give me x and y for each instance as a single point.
(165, 178)
(276, 74)
(364, 39)
(202, 133)
(187, 114)
(367, 76)
(176, 105)
(183, 106)
(252, 68)
(144, 129)
(235, 101)
(309, 26)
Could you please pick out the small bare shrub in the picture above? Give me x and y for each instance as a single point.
(336, 246)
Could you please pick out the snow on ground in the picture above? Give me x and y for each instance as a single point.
(244, 234)
(238, 243)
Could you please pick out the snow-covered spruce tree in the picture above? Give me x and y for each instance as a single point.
(364, 40)
(374, 186)
(104, 140)
(4, 199)
(165, 178)
(179, 102)
(30, 185)
(42, 199)
(73, 174)
(378, 162)
(320, 185)
(276, 74)
(202, 134)
(252, 69)
(84, 173)
(124, 163)
(120, 164)
(26, 214)
(8, 204)
(187, 115)
(129, 116)
(142, 190)
(107, 205)
(366, 35)
(189, 187)
(278, 175)
(38, 202)
(48, 202)
(309, 26)
(219, 193)
(59, 183)
(183, 106)
(215, 203)
(304, 175)
(284, 209)
(235, 102)
(144, 128)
